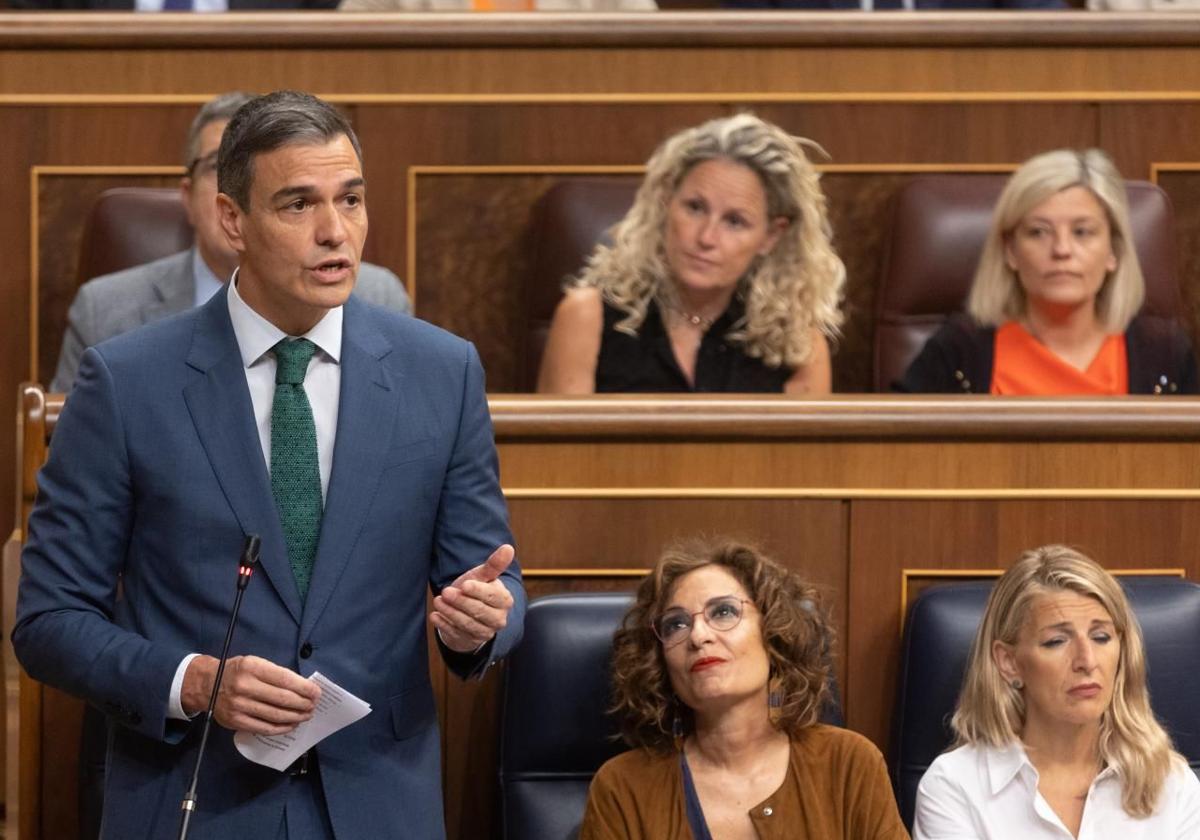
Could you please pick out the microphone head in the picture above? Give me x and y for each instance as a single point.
(250, 551)
(249, 560)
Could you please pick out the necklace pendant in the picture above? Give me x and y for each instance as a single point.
(695, 320)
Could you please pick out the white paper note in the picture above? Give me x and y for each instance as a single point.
(336, 708)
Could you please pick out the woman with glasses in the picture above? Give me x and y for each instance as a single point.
(719, 672)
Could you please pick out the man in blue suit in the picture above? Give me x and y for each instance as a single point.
(354, 440)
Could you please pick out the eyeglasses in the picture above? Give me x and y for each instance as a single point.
(201, 166)
(721, 614)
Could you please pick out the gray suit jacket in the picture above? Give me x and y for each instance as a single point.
(117, 303)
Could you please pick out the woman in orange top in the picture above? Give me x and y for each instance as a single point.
(1054, 304)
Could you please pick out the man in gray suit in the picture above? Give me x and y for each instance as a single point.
(116, 303)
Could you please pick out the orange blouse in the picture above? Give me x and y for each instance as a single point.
(1023, 366)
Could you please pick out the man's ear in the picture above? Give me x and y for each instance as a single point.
(231, 218)
(185, 192)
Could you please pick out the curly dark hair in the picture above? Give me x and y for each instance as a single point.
(795, 628)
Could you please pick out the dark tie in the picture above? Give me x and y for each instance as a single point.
(295, 471)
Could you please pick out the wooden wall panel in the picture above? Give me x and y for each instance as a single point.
(1138, 135)
(1183, 186)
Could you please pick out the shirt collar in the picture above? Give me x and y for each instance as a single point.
(205, 282)
(1006, 763)
(256, 335)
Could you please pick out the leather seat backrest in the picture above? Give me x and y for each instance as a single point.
(554, 732)
(567, 223)
(129, 226)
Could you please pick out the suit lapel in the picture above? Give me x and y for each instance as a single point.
(367, 412)
(174, 291)
(219, 403)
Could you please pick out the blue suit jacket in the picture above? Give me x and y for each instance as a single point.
(155, 476)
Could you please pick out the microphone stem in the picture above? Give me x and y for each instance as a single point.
(189, 800)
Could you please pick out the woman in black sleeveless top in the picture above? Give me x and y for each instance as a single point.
(720, 278)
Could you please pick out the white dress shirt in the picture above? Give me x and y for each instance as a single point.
(983, 793)
(206, 283)
(255, 337)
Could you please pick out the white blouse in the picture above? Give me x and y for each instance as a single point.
(983, 793)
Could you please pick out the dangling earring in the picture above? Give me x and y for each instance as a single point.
(774, 699)
(677, 724)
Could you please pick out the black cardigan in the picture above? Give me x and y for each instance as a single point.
(957, 359)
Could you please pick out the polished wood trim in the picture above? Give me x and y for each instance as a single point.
(906, 493)
(583, 573)
(45, 169)
(519, 418)
(907, 574)
(664, 28)
(49, 100)
(34, 245)
(637, 169)
(527, 169)
(410, 236)
(844, 417)
(10, 574)
(1160, 167)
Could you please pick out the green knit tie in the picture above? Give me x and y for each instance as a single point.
(295, 471)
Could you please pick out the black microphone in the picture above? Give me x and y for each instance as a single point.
(246, 568)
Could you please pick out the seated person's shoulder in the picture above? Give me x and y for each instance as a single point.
(128, 287)
(581, 306)
(956, 770)
(573, 345)
(380, 286)
(638, 773)
(834, 745)
(637, 762)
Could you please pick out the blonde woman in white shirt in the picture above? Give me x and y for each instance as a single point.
(1055, 736)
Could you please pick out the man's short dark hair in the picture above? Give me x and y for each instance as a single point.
(221, 108)
(267, 123)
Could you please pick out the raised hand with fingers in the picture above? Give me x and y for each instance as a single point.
(470, 611)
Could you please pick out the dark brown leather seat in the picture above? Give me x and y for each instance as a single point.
(939, 224)
(129, 226)
(567, 223)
